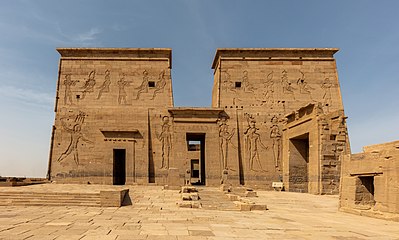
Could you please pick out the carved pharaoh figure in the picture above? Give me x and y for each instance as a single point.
(304, 88)
(252, 140)
(326, 86)
(143, 88)
(88, 87)
(286, 84)
(224, 140)
(275, 135)
(122, 83)
(160, 84)
(268, 94)
(245, 82)
(68, 83)
(227, 83)
(104, 88)
(76, 136)
(166, 139)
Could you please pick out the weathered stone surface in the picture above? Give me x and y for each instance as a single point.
(116, 123)
(370, 181)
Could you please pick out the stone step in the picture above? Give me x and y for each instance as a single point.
(216, 200)
(50, 198)
(49, 203)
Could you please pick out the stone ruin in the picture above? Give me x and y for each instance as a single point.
(276, 116)
(276, 121)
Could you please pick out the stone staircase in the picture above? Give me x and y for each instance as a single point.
(214, 199)
(13, 198)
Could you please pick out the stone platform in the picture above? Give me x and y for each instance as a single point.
(155, 215)
(63, 195)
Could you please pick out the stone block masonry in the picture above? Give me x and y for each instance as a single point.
(116, 123)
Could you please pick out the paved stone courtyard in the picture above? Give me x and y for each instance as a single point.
(154, 215)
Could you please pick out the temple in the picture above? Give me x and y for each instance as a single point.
(276, 116)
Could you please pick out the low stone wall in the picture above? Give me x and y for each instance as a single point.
(113, 198)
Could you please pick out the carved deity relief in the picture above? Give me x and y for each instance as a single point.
(143, 88)
(122, 83)
(68, 83)
(275, 135)
(252, 142)
(286, 84)
(76, 136)
(246, 84)
(227, 83)
(304, 88)
(268, 94)
(224, 141)
(165, 137)
(88, 87)
(160, 84)
(326, 86)
(104, 88)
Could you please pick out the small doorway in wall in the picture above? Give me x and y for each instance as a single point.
(298, 163)
(365, 191)
(196, 151)
(119, 171)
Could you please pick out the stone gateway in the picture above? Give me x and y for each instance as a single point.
(276, 116)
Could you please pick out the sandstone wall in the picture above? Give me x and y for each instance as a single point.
(370, 181)
(102, 103)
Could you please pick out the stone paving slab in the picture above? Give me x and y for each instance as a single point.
(155, 215)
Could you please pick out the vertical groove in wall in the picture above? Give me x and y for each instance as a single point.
(240, 166)
(151, 170)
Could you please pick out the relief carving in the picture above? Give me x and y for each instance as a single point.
(304, 88)
(326, 86)
(245, 82)
(122, 83)
(68, 83)
(143, 88)
(268, 94)
(88, 87)
(228, 84)
(252, 141)
(76, 136)
(165, 137)
(286, 84)
(224, 141)
(275, 135)
(160, 84)
(104, 88)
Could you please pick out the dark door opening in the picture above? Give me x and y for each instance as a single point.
(365, 190)
(119, 172)
(196, 143)
(299, 160)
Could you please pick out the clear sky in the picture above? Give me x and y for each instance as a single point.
(366, 31)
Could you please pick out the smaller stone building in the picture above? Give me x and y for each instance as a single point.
(370, 181)
(315, 143)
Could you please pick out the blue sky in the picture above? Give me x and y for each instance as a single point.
(366, 32)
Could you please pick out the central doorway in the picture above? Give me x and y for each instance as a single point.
(196, 151)
(119, 172)
(298, 163)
